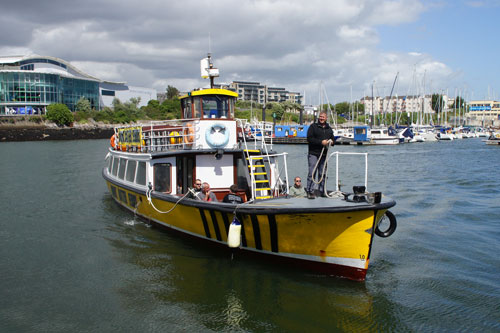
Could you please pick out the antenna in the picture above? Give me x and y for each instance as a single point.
(206, 66)
(209, 43)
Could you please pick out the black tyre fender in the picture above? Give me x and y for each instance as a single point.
(392, 226)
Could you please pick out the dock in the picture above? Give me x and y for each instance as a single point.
(286, 140)
(299, 140)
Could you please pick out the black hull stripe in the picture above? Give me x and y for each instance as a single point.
(373, 233)
(205, 223)
(243, 236)
(273, 230)
(256, 232)
(216, 225)
(226, 222)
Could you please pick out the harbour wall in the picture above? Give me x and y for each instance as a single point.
(40, 133)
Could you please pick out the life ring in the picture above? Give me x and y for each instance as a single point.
(217, 135)
(112, 141)
(189, 134)
(392, 225)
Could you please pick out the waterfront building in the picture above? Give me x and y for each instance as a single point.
(28, 84)
(484, 112)
(378, 105)
(259, 93)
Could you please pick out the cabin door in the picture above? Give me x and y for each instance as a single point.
(185, 173)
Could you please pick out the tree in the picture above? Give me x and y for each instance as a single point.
(342, 108)
(83, 104)
(59, 114)
(276, 108)
(459, 102)
(437, 103)
(172, 92)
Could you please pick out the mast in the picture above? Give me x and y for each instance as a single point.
(372, 118)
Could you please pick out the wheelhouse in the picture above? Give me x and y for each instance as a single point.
(209, 104)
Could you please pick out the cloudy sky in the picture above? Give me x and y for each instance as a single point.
(336, 46)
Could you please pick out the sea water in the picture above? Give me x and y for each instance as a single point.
(72, 260)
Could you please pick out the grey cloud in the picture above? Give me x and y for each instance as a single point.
(294, 44)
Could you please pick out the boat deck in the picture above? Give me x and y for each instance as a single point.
(319, 204)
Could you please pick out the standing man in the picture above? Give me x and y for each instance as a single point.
(319, 136)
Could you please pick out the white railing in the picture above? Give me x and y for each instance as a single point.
(336, 153)
(158, 136)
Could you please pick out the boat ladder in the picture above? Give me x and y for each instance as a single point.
(264, 168)
(258, 174)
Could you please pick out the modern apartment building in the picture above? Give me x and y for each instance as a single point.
(259, 93)
(28, 84)
(484, 111)
(378, 105)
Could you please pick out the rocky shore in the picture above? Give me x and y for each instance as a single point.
(45, 132)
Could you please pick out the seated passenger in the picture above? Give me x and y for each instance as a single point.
(196, 189)
(297, 190)
(232, 197)
(206, 195)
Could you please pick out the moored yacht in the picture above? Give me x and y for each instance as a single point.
(384, 136)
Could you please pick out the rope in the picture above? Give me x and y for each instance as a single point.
(148, 195)
(324, 172)
(325, 166)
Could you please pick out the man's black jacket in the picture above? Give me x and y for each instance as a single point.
(315, 134)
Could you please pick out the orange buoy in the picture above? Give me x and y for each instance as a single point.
(189, 133)
(112, 141)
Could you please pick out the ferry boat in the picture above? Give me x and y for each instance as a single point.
(150, 170)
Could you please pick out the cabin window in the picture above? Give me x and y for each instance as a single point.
(121, 168)
(216, 107)
(141, 174)
(197, 108)
(186, 108)
(163, 177)
(116, 160)
(132, 165)
(360, 131)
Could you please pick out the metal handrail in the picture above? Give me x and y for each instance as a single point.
(336, 153)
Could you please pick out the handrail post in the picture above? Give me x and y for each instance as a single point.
(366, 171)
(337, 171)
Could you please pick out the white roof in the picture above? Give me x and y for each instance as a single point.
(49, 70)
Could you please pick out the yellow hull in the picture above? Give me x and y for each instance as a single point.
(336, 243)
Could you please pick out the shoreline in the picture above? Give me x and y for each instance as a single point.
(32, 132)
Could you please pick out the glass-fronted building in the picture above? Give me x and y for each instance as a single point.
(28, 84)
